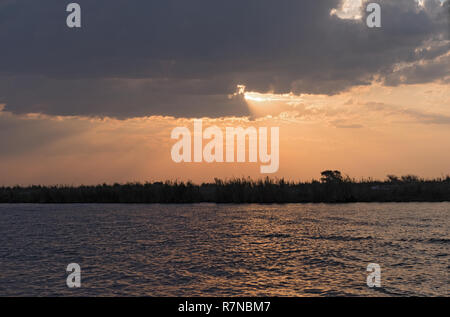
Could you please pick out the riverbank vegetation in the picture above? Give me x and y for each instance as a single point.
(331, 188)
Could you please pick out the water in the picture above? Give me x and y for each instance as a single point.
(225, 250)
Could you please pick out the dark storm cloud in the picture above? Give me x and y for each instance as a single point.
(116, 97)
(185, 57)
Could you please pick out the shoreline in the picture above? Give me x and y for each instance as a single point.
(238, 191)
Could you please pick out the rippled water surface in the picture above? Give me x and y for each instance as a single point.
(214, 250)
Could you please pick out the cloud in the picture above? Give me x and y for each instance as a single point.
(342, 124)
(185, 58)
(119, 97)
(349, 9)
(414, 114)
(427, 118)
(421, 72)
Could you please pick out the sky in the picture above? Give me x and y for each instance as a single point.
(98, 104)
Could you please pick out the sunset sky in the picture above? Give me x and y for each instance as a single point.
(98, 104)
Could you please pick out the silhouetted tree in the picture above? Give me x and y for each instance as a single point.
(393, 179)
(331, 177)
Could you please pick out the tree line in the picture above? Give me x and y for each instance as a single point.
(332, 187)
